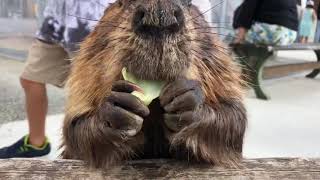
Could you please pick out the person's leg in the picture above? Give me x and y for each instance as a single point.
(46, 64)
(36, 107)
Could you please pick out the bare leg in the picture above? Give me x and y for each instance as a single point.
(301, 40)
(36, 107)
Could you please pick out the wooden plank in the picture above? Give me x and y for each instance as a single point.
(279, 168)
(284, 70)
(296, 46)
(270, 48)
(276, 61)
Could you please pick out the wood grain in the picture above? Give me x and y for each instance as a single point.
(285, 70)
(279, 168)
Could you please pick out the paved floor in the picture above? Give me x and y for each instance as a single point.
(287, 125)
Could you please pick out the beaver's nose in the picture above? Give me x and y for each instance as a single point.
(158, 22)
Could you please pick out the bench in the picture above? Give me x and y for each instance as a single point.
(253, 59)
(278, 168)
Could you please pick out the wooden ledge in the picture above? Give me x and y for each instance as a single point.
(278, 168)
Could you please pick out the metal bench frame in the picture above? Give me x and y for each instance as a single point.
(254, 57)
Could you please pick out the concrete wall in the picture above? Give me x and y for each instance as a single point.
(222, 16)
(17, 8)
(20, 17)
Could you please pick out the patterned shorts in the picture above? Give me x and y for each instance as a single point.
(263, 33)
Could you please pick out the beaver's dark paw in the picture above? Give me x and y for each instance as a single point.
(180, 100)
(122, 111)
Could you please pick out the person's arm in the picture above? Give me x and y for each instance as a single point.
(314, 16)
(246, 14)
(244, 19)
(240, 35)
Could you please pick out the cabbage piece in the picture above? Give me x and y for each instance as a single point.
(152, 89)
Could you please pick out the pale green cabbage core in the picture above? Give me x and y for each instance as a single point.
(151, 89)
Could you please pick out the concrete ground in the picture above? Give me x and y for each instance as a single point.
(288, 124)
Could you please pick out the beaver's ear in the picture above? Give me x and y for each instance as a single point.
(124, 2)
(120, 2)
(187, 2)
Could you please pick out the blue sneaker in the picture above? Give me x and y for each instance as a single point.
(21, 149)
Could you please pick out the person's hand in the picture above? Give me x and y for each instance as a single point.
(240, 36)
(180, 99)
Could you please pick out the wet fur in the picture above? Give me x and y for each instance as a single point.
(217, 136)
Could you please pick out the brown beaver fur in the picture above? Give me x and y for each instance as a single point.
(166, 40)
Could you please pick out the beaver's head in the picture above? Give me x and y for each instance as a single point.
(154, 39)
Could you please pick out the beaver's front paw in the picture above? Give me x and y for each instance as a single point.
(123, 111)
(180, 100)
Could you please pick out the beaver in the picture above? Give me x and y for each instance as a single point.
(199, 115)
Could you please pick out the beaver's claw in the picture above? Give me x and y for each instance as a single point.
(123, 111)
(181, 99)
